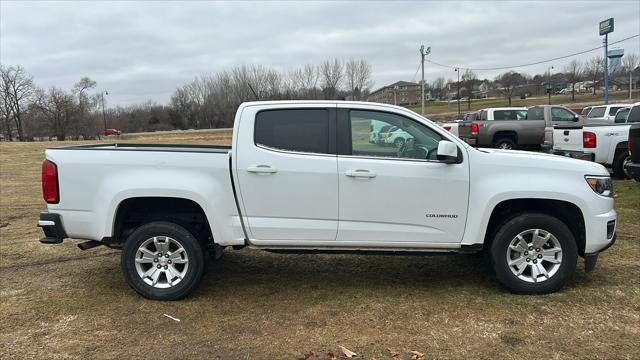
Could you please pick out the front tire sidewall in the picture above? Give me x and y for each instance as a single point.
(619, 171)
(185, 238)
(510, 229)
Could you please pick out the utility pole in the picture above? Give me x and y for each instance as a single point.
(549, 87)
(104, 118)
(423, 53)
(458, 90)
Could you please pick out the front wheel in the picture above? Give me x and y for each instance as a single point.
(504, 144)
(162, 261)
(534, 254)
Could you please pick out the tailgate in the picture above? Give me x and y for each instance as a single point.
(567, 139)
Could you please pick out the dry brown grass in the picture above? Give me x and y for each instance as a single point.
(60, 302)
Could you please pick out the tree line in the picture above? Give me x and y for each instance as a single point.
(210, 101)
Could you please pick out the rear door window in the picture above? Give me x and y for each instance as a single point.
(634, 115)
(561, 114)
(597, 112)
(509, 114)
(614, 109)
(535, 113)
(300, 130)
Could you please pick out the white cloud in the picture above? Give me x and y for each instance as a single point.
(143, 50)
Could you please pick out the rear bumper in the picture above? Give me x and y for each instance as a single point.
(51, 224)
(633, 168)
(575, 155)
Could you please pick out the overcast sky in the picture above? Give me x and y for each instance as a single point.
(141, 51)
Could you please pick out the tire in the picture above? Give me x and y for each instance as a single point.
(187, 265)
(398, 143)
(504, 144)
(621, 158)
(506, 245)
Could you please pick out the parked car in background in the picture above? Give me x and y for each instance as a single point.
(633, 144)
(553, 116)
(452, 126)
(394, 136)
(301, 177)
(603, 114)
(375, 127)
(604, 144)
(107, 132)
(501, 128)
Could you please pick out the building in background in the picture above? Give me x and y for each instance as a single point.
(398, 93)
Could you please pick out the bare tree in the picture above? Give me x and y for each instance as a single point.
(17, 88)
(508, 82)
(80, 123)
(358, 74)
(332, 74)
(470, 80)
(630, 63)
(574, 73)
(594, 68)
(56, 106)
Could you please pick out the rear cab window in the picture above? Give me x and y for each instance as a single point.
(298, 130)
(614, 109)
(535, 113)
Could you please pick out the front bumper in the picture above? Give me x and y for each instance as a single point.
(51, 224)
(605, 227)
(575, 155)
(633, 168)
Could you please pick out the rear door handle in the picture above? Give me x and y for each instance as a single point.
(262, 169)
(360, 173)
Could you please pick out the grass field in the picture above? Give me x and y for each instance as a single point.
(59, 302)
(442, 111)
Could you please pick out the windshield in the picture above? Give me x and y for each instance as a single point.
(621, 116)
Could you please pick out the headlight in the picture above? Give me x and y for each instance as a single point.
(602, 185)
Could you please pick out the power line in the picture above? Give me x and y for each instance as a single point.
(533, 63)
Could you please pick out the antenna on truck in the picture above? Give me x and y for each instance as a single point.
(253, 91)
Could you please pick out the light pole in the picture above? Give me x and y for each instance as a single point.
(458, 86)
(104, 118)
(549, 87)
(423, 53)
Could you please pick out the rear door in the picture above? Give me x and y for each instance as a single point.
(286, 171)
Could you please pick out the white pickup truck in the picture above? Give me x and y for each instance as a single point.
(301, 176)
(604, 144)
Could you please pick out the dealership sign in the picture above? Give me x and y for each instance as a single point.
(606, 26)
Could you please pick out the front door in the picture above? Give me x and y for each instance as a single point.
(395, 192)
(286, 170)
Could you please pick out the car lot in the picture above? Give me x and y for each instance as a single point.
(56, 301)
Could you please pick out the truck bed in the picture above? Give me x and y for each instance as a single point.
(150, 147)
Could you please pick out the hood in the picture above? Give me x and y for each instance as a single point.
(542, 161)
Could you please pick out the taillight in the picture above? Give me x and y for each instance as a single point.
(474, 129)
(50, 191)
(588, 140)
(447, 127)
(629, 144)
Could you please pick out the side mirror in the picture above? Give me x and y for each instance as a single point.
(447, 152)
(576, 117)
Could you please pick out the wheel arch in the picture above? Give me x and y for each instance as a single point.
(567, 212)
(133, 212)
(505, 134)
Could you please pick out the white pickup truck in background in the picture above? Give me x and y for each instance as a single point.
(302, 176)
(604, 144)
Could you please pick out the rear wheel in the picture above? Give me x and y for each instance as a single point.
(162, 261)
(504, 144)
(619, 162)
(533, 254)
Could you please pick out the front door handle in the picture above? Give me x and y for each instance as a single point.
(262, 169)
(360, 173)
